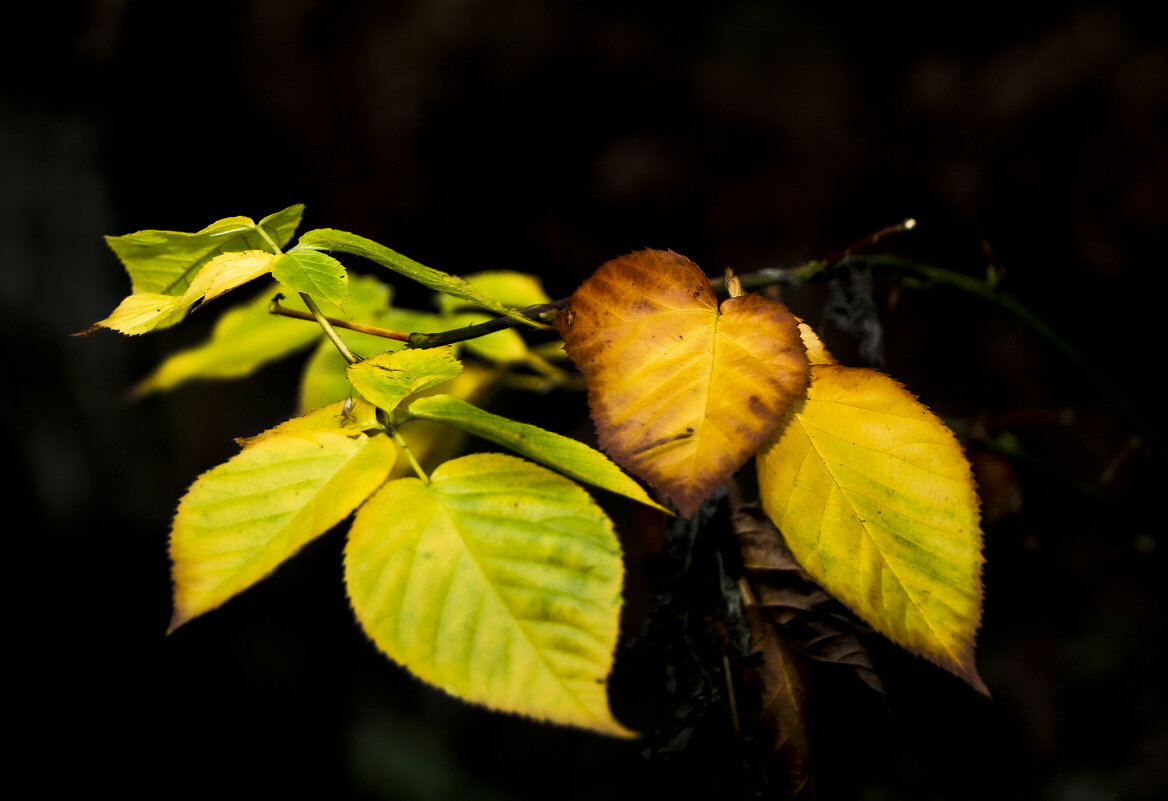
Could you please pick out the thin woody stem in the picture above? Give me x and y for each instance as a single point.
(276, 308)
(542, 312)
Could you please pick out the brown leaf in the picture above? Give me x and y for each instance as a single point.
(811, 621)
(682, 390)
(783, 697)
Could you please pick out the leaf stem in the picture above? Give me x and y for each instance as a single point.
(401, 443)
(275, 248)
(329, 331)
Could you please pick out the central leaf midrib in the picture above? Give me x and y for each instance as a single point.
(477, 560)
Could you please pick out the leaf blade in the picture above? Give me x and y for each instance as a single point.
(568, 456)
(498, 582)
(312, 272)
(165, 262)
(682, 390)
(242, 519)
(344, 242)
(388, 378)
(876, 501)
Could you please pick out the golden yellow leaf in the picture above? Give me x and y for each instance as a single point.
(877, 502)
(241, 520)
(682, 390)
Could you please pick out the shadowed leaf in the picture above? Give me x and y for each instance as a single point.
(249, 336)
(683, 390)
(807, 618)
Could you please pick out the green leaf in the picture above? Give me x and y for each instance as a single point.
(876, 500)
(242, 519)
(510, 288)
(499, 582)
(165, 262)
(388, 378)
(344, 242)
(569, 456)
(314, 273)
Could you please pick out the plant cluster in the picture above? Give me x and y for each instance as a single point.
(496, 576)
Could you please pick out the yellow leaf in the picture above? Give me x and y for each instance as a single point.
(149, 311)
(682, 390)
(817, 353)
(242, 519)
(498, 581)
(877, 502)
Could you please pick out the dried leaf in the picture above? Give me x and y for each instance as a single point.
(682, 390)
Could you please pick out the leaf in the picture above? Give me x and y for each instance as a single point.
(784, 703)
(325, 379)
(344, 242)
(568, 456)
(876, 501)
(248, 336)
(806, 617)
(287, 486)
(682, 391)
(148, 311)
(244, 338)
(817, 353)
(499, 582)
(388, 378)
(434, 443)
(515, 289)
(316, 274)
(165, 262)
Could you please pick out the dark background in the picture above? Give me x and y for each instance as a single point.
(548, 138)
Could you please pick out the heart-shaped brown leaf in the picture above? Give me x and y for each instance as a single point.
(682, 390)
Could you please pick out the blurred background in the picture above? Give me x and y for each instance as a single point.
(549, 137)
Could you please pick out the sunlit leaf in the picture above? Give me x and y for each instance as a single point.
(817, 353)
(325, 379)
(514, 289)
(148, 311)
(876, 501)
(682, 390)
(314, 273)
(388, 378)
(344, 242)
(568, 456)
(240, 520)
(165, 262)
(498, 581)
